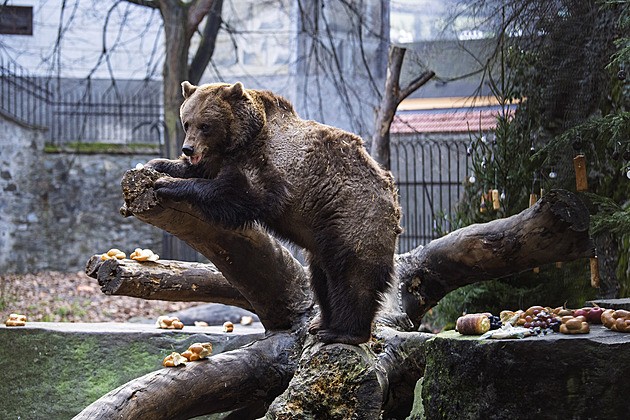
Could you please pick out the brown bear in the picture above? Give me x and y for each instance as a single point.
(248, 157)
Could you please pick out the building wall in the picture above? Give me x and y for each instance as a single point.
(327, 60)
(59, 209)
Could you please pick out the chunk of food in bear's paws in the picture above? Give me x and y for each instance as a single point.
(330, 336)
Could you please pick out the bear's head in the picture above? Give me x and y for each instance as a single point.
(218, 119)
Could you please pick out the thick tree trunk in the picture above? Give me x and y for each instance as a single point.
(312, 380)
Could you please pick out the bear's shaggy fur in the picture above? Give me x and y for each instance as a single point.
(248, 157)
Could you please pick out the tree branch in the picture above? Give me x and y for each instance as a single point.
(414, 85)
(554, 229)
(208, 40)
(197, 10)
(165, 280)
(392, 97)
(147, 3)
(255, 263)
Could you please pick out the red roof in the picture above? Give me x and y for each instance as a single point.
(446, 121)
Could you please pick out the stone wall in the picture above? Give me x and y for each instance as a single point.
(58, 209)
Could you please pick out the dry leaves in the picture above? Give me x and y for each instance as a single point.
(73, 297)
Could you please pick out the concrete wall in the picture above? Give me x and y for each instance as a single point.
(58, 209)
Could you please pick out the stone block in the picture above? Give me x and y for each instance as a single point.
(54, 370)
(553, 377)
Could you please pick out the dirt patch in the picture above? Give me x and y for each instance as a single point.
(73, 297)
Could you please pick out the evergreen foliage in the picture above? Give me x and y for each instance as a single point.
(566, 74)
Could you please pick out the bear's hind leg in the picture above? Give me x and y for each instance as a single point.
(354, 299)
(320, 289)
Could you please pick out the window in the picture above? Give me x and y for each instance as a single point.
(16, 20)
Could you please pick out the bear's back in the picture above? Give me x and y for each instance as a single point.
(335, 184)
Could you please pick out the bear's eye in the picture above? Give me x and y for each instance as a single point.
(204, 127)
(186, 126)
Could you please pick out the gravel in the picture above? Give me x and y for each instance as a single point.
(73, 297)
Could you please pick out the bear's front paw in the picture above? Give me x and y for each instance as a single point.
(171, 188)
(160, 165)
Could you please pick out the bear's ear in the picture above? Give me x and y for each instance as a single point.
(188, 89)
(236, 91)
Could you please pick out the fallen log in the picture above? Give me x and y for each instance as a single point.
(276, 287)
(225, 382)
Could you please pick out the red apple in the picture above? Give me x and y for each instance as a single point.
(582, 312)
(595, 315)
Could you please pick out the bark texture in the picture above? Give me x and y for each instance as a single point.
(307, 379)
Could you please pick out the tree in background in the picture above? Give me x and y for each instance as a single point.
(181, 21)
(551, 57)
(604, 140)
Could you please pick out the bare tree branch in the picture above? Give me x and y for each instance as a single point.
(208, 40)
(392, 97)
(255, 263)
(555, 228)
(197, 10)
(147, 3)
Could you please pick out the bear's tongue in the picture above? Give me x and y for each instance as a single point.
(195, 159)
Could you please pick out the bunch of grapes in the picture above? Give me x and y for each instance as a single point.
(541, 320)
(495, 322)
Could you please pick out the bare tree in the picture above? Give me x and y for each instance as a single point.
(181, 21)
(392, 97)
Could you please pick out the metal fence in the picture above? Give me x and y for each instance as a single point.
(88, 113)
(429, 172)
(429, 175)
(22, 96)
(106, 118)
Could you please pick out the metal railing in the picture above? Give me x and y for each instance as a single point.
(106, 118)
(22, 96)
(429, 175)
(83, 114)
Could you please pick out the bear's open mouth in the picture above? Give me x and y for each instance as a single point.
(195, 159)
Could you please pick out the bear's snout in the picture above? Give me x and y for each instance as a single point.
(188, 150)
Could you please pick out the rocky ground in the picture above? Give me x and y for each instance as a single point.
(73, 297)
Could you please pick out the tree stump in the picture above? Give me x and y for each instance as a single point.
(289, 371)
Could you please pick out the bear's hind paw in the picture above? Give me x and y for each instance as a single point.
(330, 336)
(316, 325)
